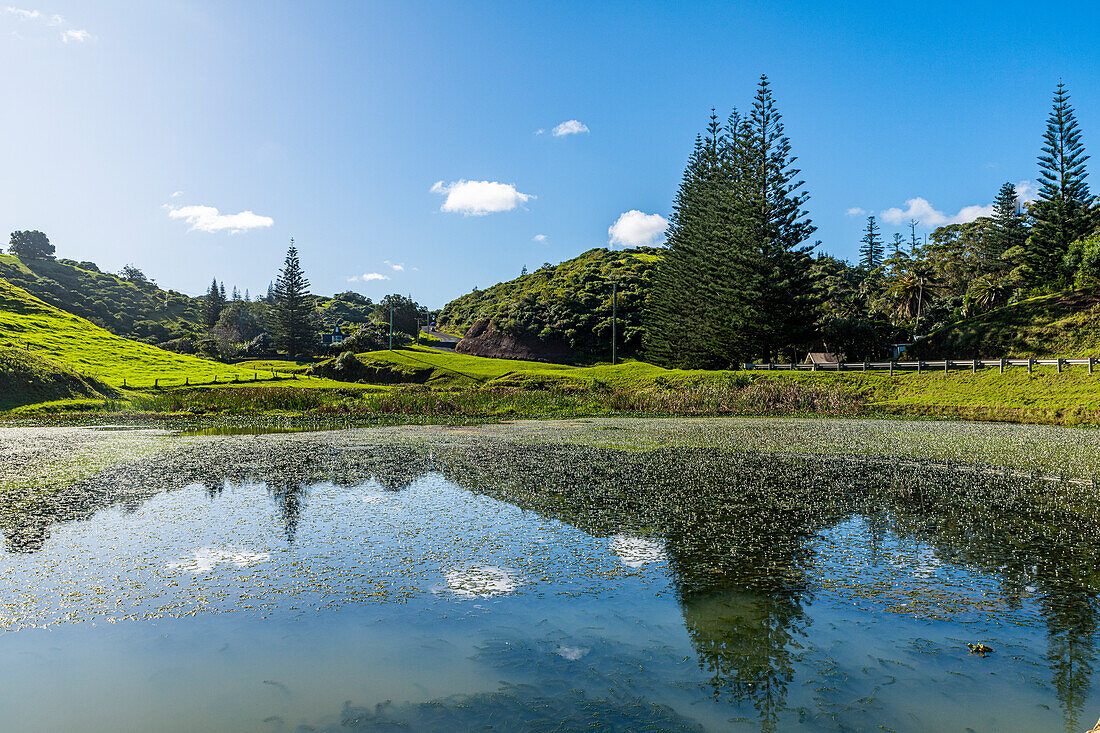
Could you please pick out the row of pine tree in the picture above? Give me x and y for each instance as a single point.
(738, 281)
(735, 281)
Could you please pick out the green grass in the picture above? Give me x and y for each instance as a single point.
(27, 378)
(1065, 324)
(134, 310)
(433, 383)
(446, 369)
(1045, 396)
(30, 324)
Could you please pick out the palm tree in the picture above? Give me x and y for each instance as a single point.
(911, 289)
(990, 291)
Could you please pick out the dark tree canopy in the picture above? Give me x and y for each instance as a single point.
(408, 315)
(133, 274)
(214, 304)
(31, 245)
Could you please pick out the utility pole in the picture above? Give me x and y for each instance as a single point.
(614, 317)
(391, 325)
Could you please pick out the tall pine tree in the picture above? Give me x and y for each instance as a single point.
(214, 304)
(1062, 213)
(676, 304)
(779, 226)
(700, 311)
(1008, 230)
(290, 310)
(735, 282)
(870, 252)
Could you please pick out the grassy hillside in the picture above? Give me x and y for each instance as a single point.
(568, 303)
(142, 311)
(1065, 324)
(27, 378)
(26, 321)
(136, 310)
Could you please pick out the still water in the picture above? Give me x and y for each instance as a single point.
(332, 581)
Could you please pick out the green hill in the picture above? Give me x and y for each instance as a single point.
(26, 378)
(29, 323)
(142, 311)
(137, 310)
(563, 308)
(1065, 324)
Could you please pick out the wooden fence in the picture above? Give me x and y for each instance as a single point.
(929, 366)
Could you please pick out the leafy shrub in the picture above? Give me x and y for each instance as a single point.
(1083, 259)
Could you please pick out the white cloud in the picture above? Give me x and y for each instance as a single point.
(570, 127)
(540, 131)
(538, 238)
(855, 211)
(68, 35)
(1026, 192)
(478, 198)
(635, 228)
(970, 213)
(368, 276)
(208, 219)
(176, 194)
(928, 216)
(24, 14)
(396, 266)
(916, 208)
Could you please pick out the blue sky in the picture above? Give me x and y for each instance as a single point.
(352, 126)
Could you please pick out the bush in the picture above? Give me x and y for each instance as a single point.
(179, 346)
(372, 337)
(1083, 259)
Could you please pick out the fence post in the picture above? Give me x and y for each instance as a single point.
(124, 380)
(1002, 360)
(187, 381)
(1090, 365)
(946, 363)
(974, 367)
(919, 365)
(1059, 365)
(156, 382)
(891, 368)
(815, 366)
(1029, 361)
(864, 366)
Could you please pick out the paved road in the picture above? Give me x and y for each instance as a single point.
(444, 337)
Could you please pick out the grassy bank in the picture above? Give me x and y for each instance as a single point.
(422, 383)
(448, 386)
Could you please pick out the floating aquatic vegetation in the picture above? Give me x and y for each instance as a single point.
(746, 544)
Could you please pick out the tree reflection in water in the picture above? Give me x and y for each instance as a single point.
(742, 531)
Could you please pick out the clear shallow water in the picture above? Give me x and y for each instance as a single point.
(271, 583)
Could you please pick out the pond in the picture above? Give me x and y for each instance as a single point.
(551, 576)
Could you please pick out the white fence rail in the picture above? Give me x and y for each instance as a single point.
(928, 366)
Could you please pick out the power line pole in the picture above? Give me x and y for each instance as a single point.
(391, 325)
(614, 317)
